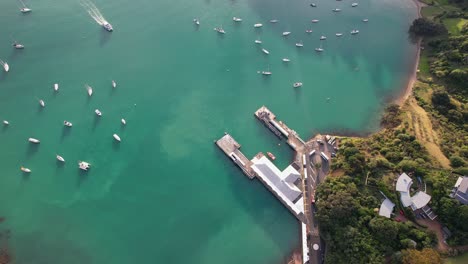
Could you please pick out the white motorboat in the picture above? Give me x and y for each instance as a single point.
(266, 72)
(107, 26)
(315, 20)
(319, 49)
(354, 4)
(339, 34)
(323, 38)
(67, 124)
(6, 67)
(196, 21)
(83, 165)
(89, 89)
(313, 5)
(114, 84)
(116, 137)
(265, 51)
(124, 122)
(220, 30)
(237, 19)
(56, 87)
(33, 140)
(258, 25)
(354, 32)
(60, 158)
(42, 103)
(286, 33)
(6, 123)
(23, 169)
(297, 84)
(299, 44)
(17, 45)
(308, 30)
(336, 10)
(365, 20)
(25, 10)
(98, 113)
(286, 60)
(257, 41)
(274, 21)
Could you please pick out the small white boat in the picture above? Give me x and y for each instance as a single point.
(124, 122)
(196, 21)
(56, 87)
(354, 32)
(60, 158)
(257, 41)
(98, 113)
(23, 169)
(18, 45)
(33, 140)
(42, 103)
(6, 67)
(319, 49)
(83, 165)
(107, 26)
(114, 84)
(309, 31)
(336, 10)
(89, 89)
(297, 84)
(323, 38)
(299, 44)
(339, 34)
(266, 72)
(116, 137)
(237, 19)
(274, 21)
(286, 33)
(365, 20)
(220, 30)
(25, 10)
(354, 4)
(265, 51)
(313, 5)
(258, 25)
(315, 20)
(67, 124)
(286, 60)
(6, 123)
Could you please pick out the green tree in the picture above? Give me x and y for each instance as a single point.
(426, 27)
(425, 256)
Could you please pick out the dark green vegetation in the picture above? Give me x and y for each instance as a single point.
(346, 204)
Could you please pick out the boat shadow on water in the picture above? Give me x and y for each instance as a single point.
(26, 175)
(32, 149)
(116, 145)
(82, 177)
(96, 121)
(65, 133)
(105, 37)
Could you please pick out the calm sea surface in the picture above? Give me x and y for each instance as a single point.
(166, 194)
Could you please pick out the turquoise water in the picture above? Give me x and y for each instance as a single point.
(166, 194)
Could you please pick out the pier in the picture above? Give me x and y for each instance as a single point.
(231, 148)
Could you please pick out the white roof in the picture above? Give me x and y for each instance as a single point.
(459, 180)
(305, 249)
(386, 208)
(405, 199)
(420, 199)
(403, 183)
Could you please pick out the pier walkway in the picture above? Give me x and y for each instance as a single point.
(231, 148)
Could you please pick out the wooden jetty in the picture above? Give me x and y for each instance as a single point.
(231, 148)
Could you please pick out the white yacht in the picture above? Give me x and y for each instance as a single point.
(24, 9)
(98, 113)
(89, 89)
(308, 30)
(107, 26)
(299, 44)
(365, 20)
(266, 72)
(67, 124)
(6, 67)
(297, 84)
(116, 137)
(83, 165)
(33, 140)
(257, 41)
(56, 87)
(6, 123)
(220, 30)
(124, 122)
(354, 4)
(258, 25)
(265, 51)
(41, 103)
(339, 34)
(17, 45)
(237, 19)
(196, 21)
(274, 21)
(336, 10)
(114, 84)
(313, 5)
(319, 49)
(323, 38)
(23, 169)
(315, 20)
(60, 158)
(286, 60)
(286, 33)
(354, 32)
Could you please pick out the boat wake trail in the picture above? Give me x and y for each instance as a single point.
(2, 63)
(93, 11)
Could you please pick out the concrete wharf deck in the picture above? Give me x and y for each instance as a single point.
(231, 148)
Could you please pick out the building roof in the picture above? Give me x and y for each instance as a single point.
(461, 193)
(405, 199)
(419, 200)
(463, 185)
(403, 183)
(386, 208)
